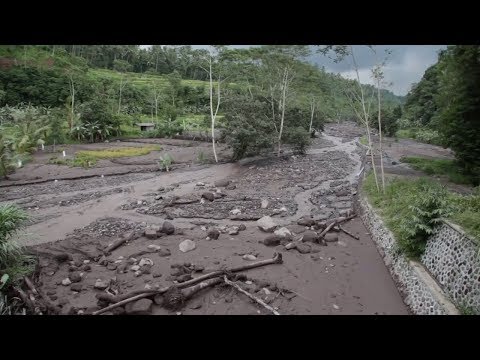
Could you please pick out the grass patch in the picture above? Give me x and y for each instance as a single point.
(449, 168)
(88, 158)
(412, 208)
(424, 135)
(364, 140)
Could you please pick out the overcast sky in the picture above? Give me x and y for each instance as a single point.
(406, 64)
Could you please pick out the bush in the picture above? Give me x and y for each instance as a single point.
(165, 162)
(411, 210)
(298, 138)
(164, 130)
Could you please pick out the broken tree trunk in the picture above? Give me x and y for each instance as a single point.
(257, 300)
(140, 294)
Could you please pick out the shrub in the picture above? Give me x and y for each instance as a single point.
(298, 138)
(165, 162)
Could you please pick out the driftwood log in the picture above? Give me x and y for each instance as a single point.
(140, 294)
(254, 298)
(348, 233)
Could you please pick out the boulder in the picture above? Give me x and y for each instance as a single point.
(187, 245)
(235, 211)
(306, 221)
(75, 277)
(168, 228)
(208, 196)
(310, 236)
(266, 224)
(231, 187)
(283, 232)
(222, 183)
(303, 248)
(164, 252)
(150, 233)
(249, 257)
(242, 227)
(331, 237)
(101, 284)
(76, 287)
(272, 240)
(234, 230)
(213, 234)
(139, 307)
(264, 204)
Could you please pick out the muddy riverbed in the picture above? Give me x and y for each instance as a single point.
(81, 216)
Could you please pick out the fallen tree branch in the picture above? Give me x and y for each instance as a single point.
(349, 233)
(30, 285)
(26, 300)
(257, 300)
(336, 221)
(140, 294)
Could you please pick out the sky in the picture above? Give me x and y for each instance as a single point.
(405, 66)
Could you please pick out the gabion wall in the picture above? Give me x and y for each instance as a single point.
(454, 260)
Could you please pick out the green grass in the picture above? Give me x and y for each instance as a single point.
(364, 140)
(89, 158)
(424, 135)
(406, 202)
(444, 167)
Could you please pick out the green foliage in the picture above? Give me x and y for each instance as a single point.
(364, 140)
(411, 208)
(6, 155)
(164, 130)
(248, 129)
(459, 101)
(424, 135)
(467, 212)
(299, 138)
(13, 260)
(165, 162)
(450, 168)
(122, 66)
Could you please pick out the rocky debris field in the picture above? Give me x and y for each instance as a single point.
(281, 229)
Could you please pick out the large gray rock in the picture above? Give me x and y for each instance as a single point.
(150, 233)
(168, 228)
(213, 234)
(264, 204)
(310, 236)
(283, 232)
(272, 240)
(222, 183)
(303, 248)
(139, 307)
(306, 221)
(100, 284)
(331, 237)
(208, 196)
(187, 245)
(266, 224)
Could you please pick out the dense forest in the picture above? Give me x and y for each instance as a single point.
(444, 107)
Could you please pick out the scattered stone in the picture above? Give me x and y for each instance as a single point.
(156, 274)
(208, 196)
(150, 233)
(158, 299)
(187, 245)
(200, 184)
(266, 224)
(86, 267)
(242, 227)
(112, 266)
(222, 183)
(168, 228)
(303, 248)
(346, 212)
(283, 232)
(248, 282)
(264, 203)
(272, 240)
(76, 287)
(139, 307)
(75, 277)
(213, 234)
(196, 306)
(86, 261)
(234, 230)
(341, 243)
(249, 257)
(134, 267)
(154, 247)
(331, 237)
(145, 261)
(66, 282)
(164, 252)
(138, 273)
(231, 187)
(145, 269)
(100, 284)
(291, 245)
(122, 268)
(306, 221)
(183, 278)
(310, 236)
(394, 163)
(296, 229)
(336, 307)
(235, 211)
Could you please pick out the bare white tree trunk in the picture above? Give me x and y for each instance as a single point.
(380, 135)
(312, 108)
(122, 85)
(72, 104)
(213, 115)
(284, 93)
(365, 119)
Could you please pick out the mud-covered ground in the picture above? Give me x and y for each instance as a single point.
(81, 216)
